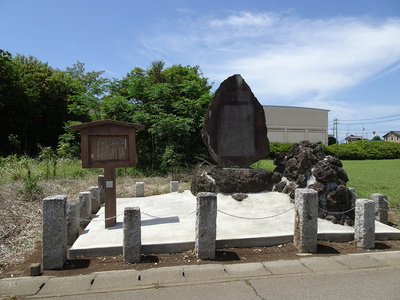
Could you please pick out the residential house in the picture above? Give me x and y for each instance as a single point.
(392, 136)
(353, 138)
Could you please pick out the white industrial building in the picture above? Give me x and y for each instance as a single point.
(288, 124)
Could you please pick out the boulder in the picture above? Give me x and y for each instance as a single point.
(307, 166)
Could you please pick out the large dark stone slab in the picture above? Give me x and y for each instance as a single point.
(235, 130)
(234, 180)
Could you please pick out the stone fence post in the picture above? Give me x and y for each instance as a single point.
(72, 221)
(132, 242)
(173, 186)
(306, 220)
(139, 189)
(54, 249)
(206, 225)
(95, 199)
(381, 207)
(85, 209)
(364, 223)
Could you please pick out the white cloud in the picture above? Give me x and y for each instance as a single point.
(282, 56)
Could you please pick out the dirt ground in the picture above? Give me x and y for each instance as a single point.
(87, 265)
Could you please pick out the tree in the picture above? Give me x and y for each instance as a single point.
(91, 88)
(11, 94)
(332, 140)
(33, 103)
(171, 103)
(376, 138)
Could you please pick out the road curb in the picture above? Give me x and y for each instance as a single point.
(125, 280)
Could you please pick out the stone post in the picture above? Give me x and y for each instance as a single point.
(306, 220)
(72, 221)
(139, 189)
(132, 242)
(364, 223)
(173, 186)
(102, 187)
(85, 209)
(381, 207)
(54, 250)
(206, 225)
(95, 199)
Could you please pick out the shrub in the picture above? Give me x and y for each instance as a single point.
(275, 148)
(364, 150)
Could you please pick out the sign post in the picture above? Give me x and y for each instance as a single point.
(108, 144)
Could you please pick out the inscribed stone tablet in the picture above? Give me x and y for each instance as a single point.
(235, 130)
(238, 126)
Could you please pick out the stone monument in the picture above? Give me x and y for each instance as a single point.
(235, 133)
(235, 130)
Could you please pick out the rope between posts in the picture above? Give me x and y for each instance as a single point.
(336, 212)
(394, 207)
(255, 218)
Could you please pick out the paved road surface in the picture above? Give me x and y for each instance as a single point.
(356, 276)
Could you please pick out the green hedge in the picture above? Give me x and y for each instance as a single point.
(358, 150)
(365, 150)
(275, 148)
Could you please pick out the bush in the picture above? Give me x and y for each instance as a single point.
(275, 148)
(364, 150)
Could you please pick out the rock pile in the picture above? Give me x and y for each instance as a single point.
(307, 166)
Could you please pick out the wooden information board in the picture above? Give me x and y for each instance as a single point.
(108, 144)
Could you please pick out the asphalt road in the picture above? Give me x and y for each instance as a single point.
(356, 276)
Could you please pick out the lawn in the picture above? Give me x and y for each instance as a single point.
(366, 176)
(375, 176)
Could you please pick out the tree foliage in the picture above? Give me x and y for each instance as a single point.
(171, 103)
(38, 104)
(33, 103)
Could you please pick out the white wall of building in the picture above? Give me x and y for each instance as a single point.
(289, 124)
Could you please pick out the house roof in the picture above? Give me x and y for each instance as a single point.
(392, 132)
(353, 137)
(107, 122)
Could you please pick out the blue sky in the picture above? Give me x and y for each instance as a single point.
(343, 56)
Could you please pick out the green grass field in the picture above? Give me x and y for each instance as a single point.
(375, 176)
(366, 176)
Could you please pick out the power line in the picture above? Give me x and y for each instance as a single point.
(356, 120)
(335, 121)
(371, 122)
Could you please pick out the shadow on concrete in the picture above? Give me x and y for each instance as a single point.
(158, 221)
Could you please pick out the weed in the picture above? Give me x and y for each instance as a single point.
(30, 190)
(158, 284)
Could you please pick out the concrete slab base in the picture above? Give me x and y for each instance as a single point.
(168, 225)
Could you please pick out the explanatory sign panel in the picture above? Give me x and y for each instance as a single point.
(108, 148)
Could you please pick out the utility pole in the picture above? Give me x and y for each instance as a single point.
(335, 125)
